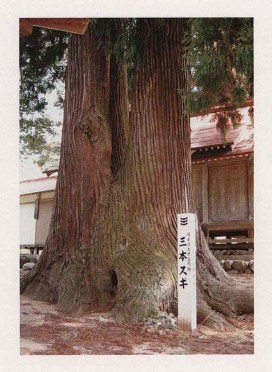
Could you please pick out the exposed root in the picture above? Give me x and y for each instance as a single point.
(210, 318)
(27, 279)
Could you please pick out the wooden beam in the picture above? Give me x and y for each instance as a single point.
(73, 25)
(218, 242)
(233, 247)
(25, 28)
(228, 226)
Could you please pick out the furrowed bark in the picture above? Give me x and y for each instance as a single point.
(140, 235)
(119, 105)
(154, 185)
(155, 182)
(83, 181)
(113, 237)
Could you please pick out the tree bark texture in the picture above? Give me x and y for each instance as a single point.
(155, 182)
(114, 227)
(83, 180)
(139, 227)
(118, 105)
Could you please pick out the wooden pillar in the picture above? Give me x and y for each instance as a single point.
(205, 193)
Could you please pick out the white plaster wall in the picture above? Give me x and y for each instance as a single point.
(27, 224)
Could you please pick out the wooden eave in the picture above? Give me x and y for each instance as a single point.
(207, 140)
(213, 146)
(227, 156)
(73, 25)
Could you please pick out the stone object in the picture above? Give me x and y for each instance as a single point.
(228, 265)
(24, 258)
(239, 265)
(28, 266)
(248, 271)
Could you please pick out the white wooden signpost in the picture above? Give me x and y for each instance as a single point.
(187, 271)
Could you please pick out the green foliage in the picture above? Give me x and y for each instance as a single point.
(118, 37)
(42, 66)
(226, 119)
(220, 58)
(37, 137)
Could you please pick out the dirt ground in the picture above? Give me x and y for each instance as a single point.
(45, 331)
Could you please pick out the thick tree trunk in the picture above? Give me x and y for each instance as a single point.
(83, 181)
(116, 236)
(136, 239)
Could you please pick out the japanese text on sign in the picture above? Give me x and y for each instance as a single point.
(187, 271)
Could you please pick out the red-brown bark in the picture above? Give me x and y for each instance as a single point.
(84, 177)
(124, 229)
(137, 235)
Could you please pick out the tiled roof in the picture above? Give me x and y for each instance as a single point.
(38, 185)
(204, 134)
